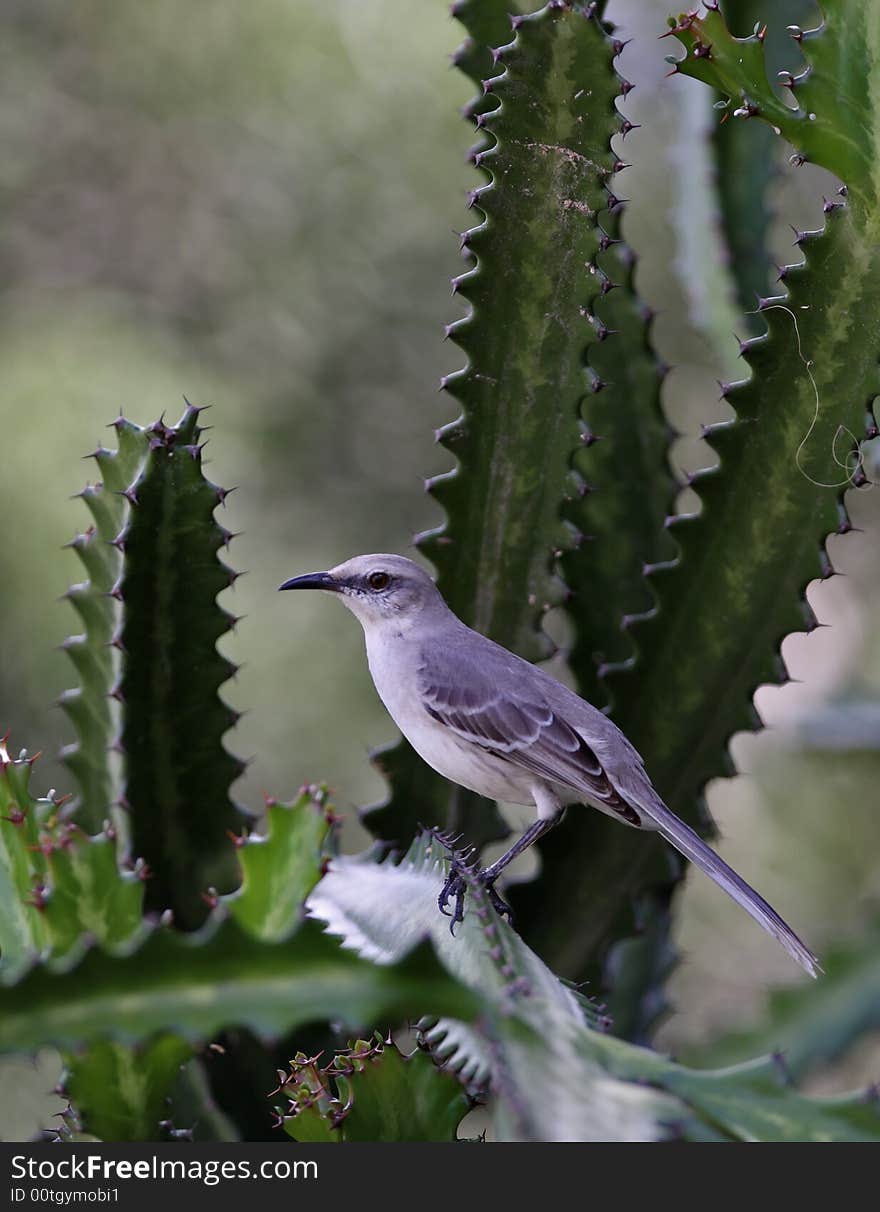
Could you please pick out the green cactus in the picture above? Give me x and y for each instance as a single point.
(57, 883)
(90, 707)
(504, 1019)
(121, 1093)
(674, 626)
(535, 277)
(713, 633)
(371, 1092)
(177, 772)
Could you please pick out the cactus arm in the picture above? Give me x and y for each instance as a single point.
(525, 338)
(121, 1093)
(178, 773)
(555, 1077)
(90, 708)
(745, 155)
(57, 883)
(280, 869)
(197, 984)
(714, 631)
(371, 1092)
(554, 1072)
(834, 120)
(23, 931)
(546, 121)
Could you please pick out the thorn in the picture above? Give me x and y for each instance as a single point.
(782, 1068)
(748, 109)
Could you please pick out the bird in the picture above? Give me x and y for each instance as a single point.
(500, 726)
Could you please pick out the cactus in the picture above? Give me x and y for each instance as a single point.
(737, 589)
(555, 1073)
(280, 868)
(57, 884)
(121, 1093)
(177, 772)
(534, 278)
(90, 707)
(746, 164)
(558, 355)
(370, 1091)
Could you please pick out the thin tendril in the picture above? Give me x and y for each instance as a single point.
(850, 467)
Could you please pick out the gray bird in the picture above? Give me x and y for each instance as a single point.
(494, 723)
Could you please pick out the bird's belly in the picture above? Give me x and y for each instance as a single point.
(467, 764)
(457, 760)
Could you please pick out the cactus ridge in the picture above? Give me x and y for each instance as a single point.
(177, 771)
(94, 652)
(533, 278)
(715, 611)
(59, 885)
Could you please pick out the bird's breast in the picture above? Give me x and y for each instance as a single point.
(394, 666)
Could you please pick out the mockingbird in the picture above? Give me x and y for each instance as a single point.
(494, 723)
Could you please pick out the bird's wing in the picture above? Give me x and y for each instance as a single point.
(497, 701)
(518, 724)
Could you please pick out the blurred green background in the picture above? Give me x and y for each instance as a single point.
(256, 206)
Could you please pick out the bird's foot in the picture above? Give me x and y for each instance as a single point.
(465, 874)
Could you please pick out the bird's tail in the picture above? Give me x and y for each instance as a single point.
(694, 848)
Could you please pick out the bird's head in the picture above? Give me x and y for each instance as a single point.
(376, 588)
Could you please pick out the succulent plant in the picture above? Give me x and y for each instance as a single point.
(147, 928)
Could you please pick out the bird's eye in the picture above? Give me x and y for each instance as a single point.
(378, 580)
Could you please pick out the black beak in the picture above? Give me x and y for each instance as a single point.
(313, 580)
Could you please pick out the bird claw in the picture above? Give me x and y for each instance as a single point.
(461, 875)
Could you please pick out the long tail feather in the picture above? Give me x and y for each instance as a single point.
(683, 838)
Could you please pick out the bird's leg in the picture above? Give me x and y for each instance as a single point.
(462, 871)
(488, 875)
